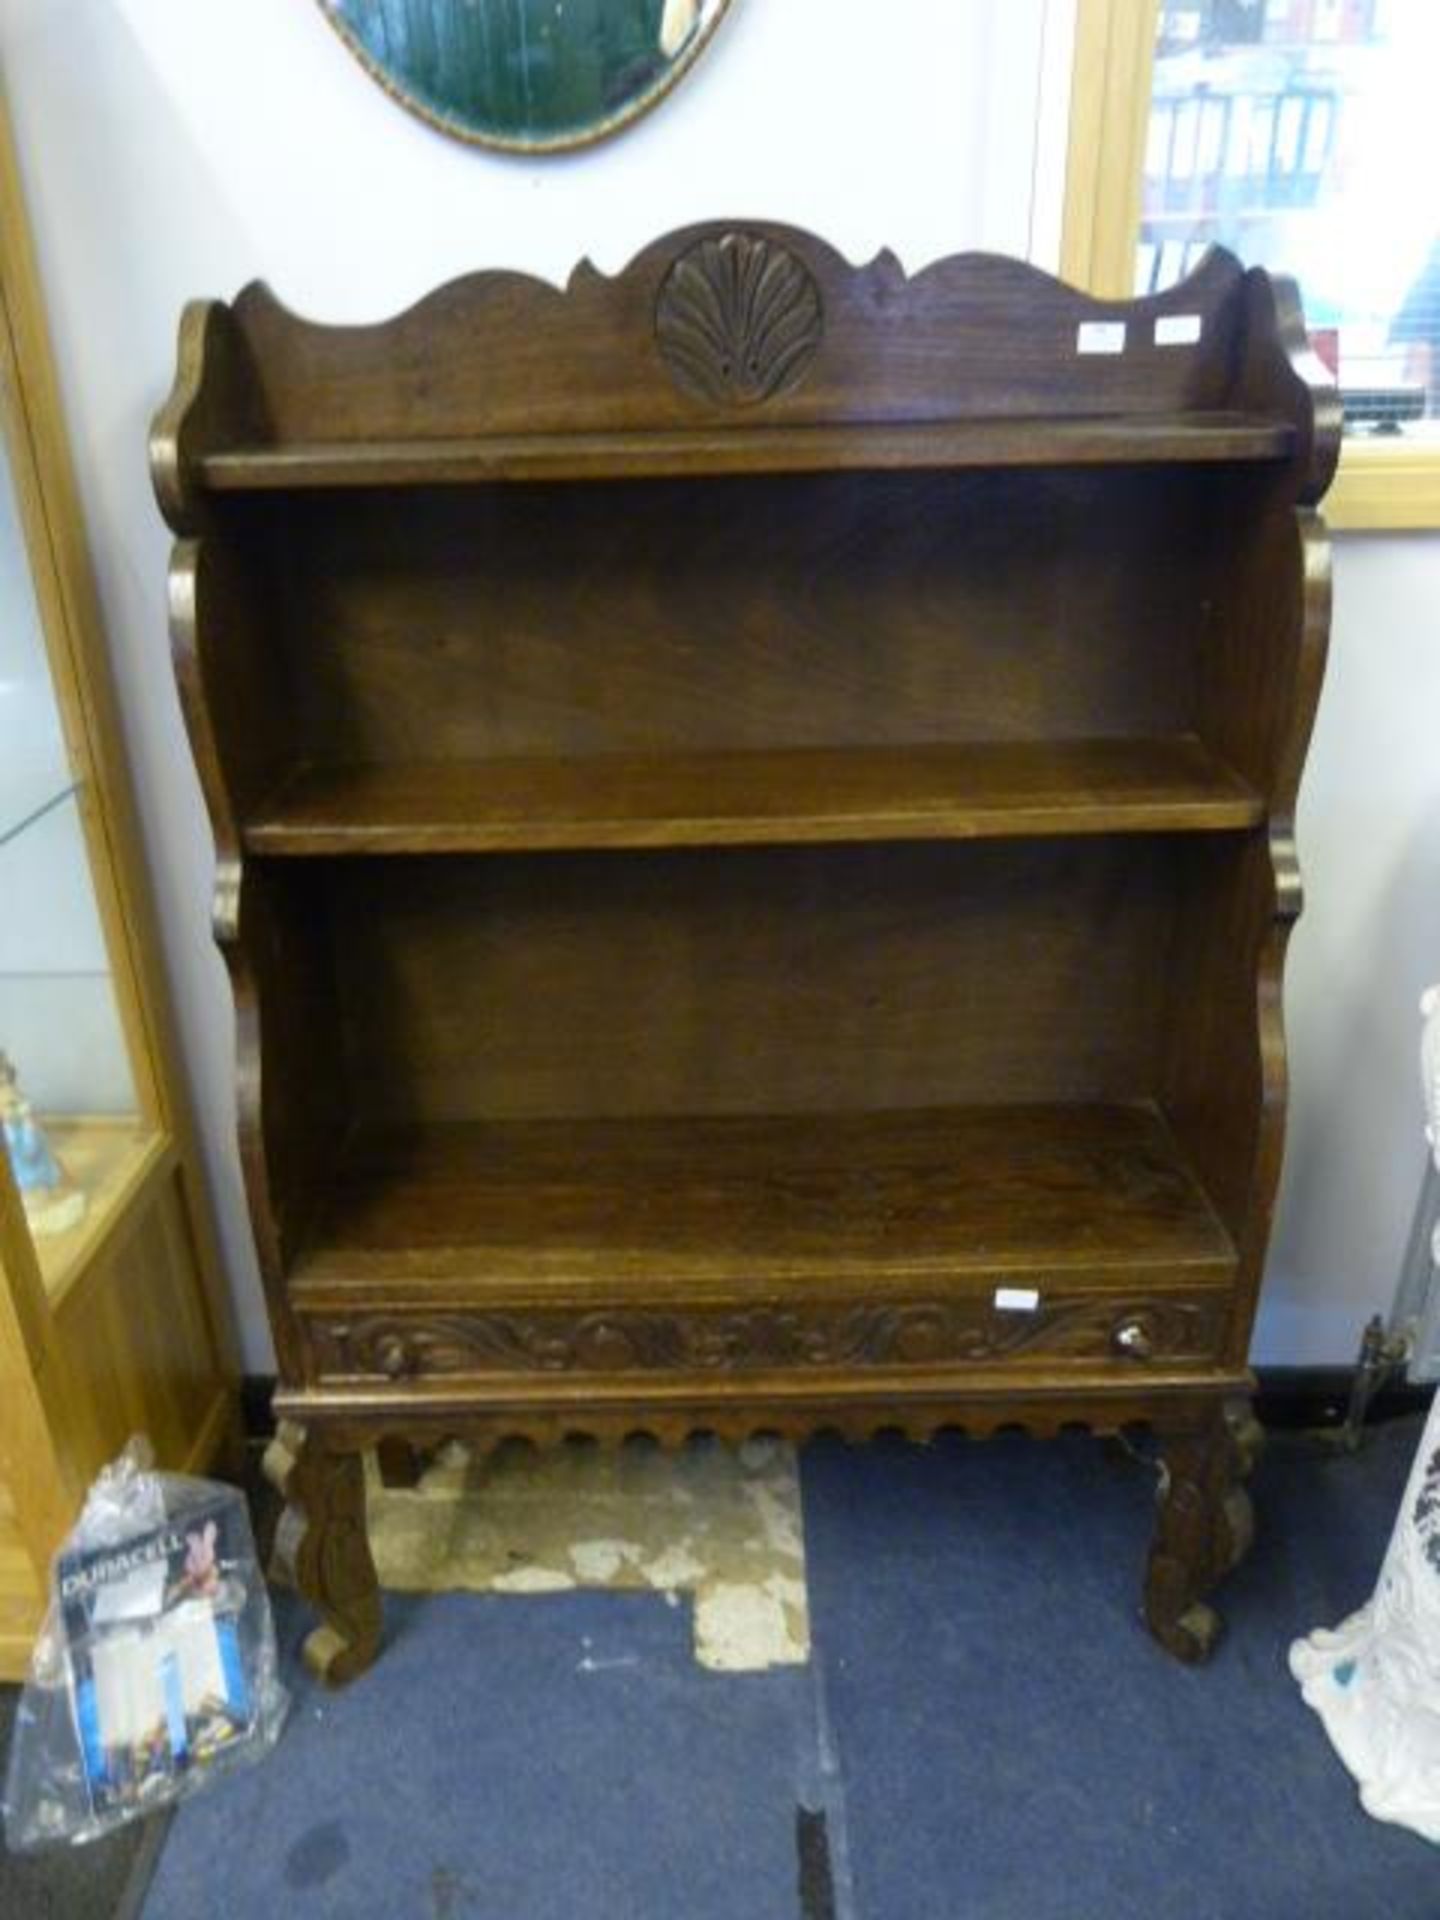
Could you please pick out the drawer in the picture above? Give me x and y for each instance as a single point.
(509, 1343)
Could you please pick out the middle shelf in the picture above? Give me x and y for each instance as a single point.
(973, 790)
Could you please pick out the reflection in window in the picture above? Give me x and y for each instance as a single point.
(1300, 133)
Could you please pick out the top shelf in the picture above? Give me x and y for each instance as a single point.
(976, 790)
(1036, 441)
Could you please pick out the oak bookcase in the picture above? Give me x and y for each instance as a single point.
(754, 807)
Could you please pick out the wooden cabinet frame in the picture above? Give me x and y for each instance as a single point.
(133, 1333)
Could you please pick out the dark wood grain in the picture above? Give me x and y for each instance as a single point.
(650, 617)
(322, 1536)
(943, 444)
(1204, 1526)
(737, 842)
(695, 1207)
(994, 790)
(1226, 1078)
(927, 1328)
(501, 355)
(764, 980)
(292, 1114)
(848, 1402)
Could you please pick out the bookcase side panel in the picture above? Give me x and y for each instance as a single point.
(1226, 1078)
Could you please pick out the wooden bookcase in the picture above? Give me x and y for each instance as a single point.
(754, 804)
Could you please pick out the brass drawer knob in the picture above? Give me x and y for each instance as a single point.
(1133, 1339)
(395, 1356)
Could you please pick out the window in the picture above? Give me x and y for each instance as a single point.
(1295, 132)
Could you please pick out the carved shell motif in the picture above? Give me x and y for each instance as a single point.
(738, 319)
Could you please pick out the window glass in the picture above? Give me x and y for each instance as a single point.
(1301, 134)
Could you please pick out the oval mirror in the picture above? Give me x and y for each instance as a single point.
(533, 76)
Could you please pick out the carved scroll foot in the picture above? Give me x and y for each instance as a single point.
(1203, 1527)
(323, 1537)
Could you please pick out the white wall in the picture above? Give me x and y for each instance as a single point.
(180, 147)
(1369, 831)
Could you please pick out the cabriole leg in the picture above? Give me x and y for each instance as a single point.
(1203, 1525)
(323, 1535)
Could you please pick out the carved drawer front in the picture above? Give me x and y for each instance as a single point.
(509, 1343)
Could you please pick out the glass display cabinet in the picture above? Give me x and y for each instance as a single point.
(74, 1127)
(112, 1310)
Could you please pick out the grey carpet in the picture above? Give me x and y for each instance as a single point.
(986, 1732)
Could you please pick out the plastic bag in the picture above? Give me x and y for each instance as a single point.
(155, 1670)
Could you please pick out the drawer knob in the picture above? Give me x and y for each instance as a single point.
(1133, 1339)
(395, 1356)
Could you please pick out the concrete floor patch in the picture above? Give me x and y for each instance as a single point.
(719, 1523)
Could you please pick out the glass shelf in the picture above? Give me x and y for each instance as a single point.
(60, 1021)
(35, 772)
(21, 807)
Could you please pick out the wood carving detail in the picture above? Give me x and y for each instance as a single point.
(738, 319)
(323, 1535)
(399, 1346)
(1203, 1526)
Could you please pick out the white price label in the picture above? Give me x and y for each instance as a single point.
(1017, 1299)
(1100, 336)
(1177, 329)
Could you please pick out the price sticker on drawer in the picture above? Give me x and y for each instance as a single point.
(1017, 1299)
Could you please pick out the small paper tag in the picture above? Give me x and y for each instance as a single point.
(1017, 1299)
(1100, 336)
(1177, 329)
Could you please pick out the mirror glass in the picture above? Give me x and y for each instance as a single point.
(533, 75)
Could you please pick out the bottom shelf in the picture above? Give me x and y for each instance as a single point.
(731, 1207)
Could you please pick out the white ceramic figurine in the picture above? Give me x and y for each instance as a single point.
(52, 1202)
(1375, 1680)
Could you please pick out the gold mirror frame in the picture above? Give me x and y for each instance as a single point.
(566, 142)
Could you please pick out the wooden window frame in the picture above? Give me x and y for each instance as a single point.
(1378, 486)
